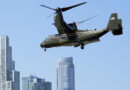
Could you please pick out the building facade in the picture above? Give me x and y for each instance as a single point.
(65, 74)
(9, 78)
(34, 83)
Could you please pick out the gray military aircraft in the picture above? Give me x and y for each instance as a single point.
(70, 35)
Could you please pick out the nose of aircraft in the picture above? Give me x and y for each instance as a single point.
(42, 44)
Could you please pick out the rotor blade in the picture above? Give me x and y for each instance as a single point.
(86, 20)
(50, 15)
(67, 8)
(48, 7)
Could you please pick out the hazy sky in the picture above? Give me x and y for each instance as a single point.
(100, 66)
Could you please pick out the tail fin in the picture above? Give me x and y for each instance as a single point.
(115, 25)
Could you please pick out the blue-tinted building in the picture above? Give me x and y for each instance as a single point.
(34, 83)
(65, 74)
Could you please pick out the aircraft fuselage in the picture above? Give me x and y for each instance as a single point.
(86, 37)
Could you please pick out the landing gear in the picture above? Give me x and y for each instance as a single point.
(77, 44)
(82, 45)
(45, 49)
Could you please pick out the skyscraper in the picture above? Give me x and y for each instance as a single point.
(34, 83)
(9, 78)
(65, 74)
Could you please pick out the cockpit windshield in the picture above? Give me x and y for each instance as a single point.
(50, 37)
(56, 36)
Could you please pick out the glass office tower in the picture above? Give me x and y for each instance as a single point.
(34, 83)
(9, 78)
(65, 74)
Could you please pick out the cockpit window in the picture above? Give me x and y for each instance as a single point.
(51, 37)
(48, 38)
(56, 37)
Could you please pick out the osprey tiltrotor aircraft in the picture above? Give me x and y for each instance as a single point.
(70, 35)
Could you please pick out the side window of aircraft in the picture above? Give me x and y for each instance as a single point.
(62, 36)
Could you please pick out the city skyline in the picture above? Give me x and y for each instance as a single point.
(9, 78)
(100, 66)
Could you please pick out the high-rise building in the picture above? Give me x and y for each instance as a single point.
(65, 74)
(34, 83)
(9, 78)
